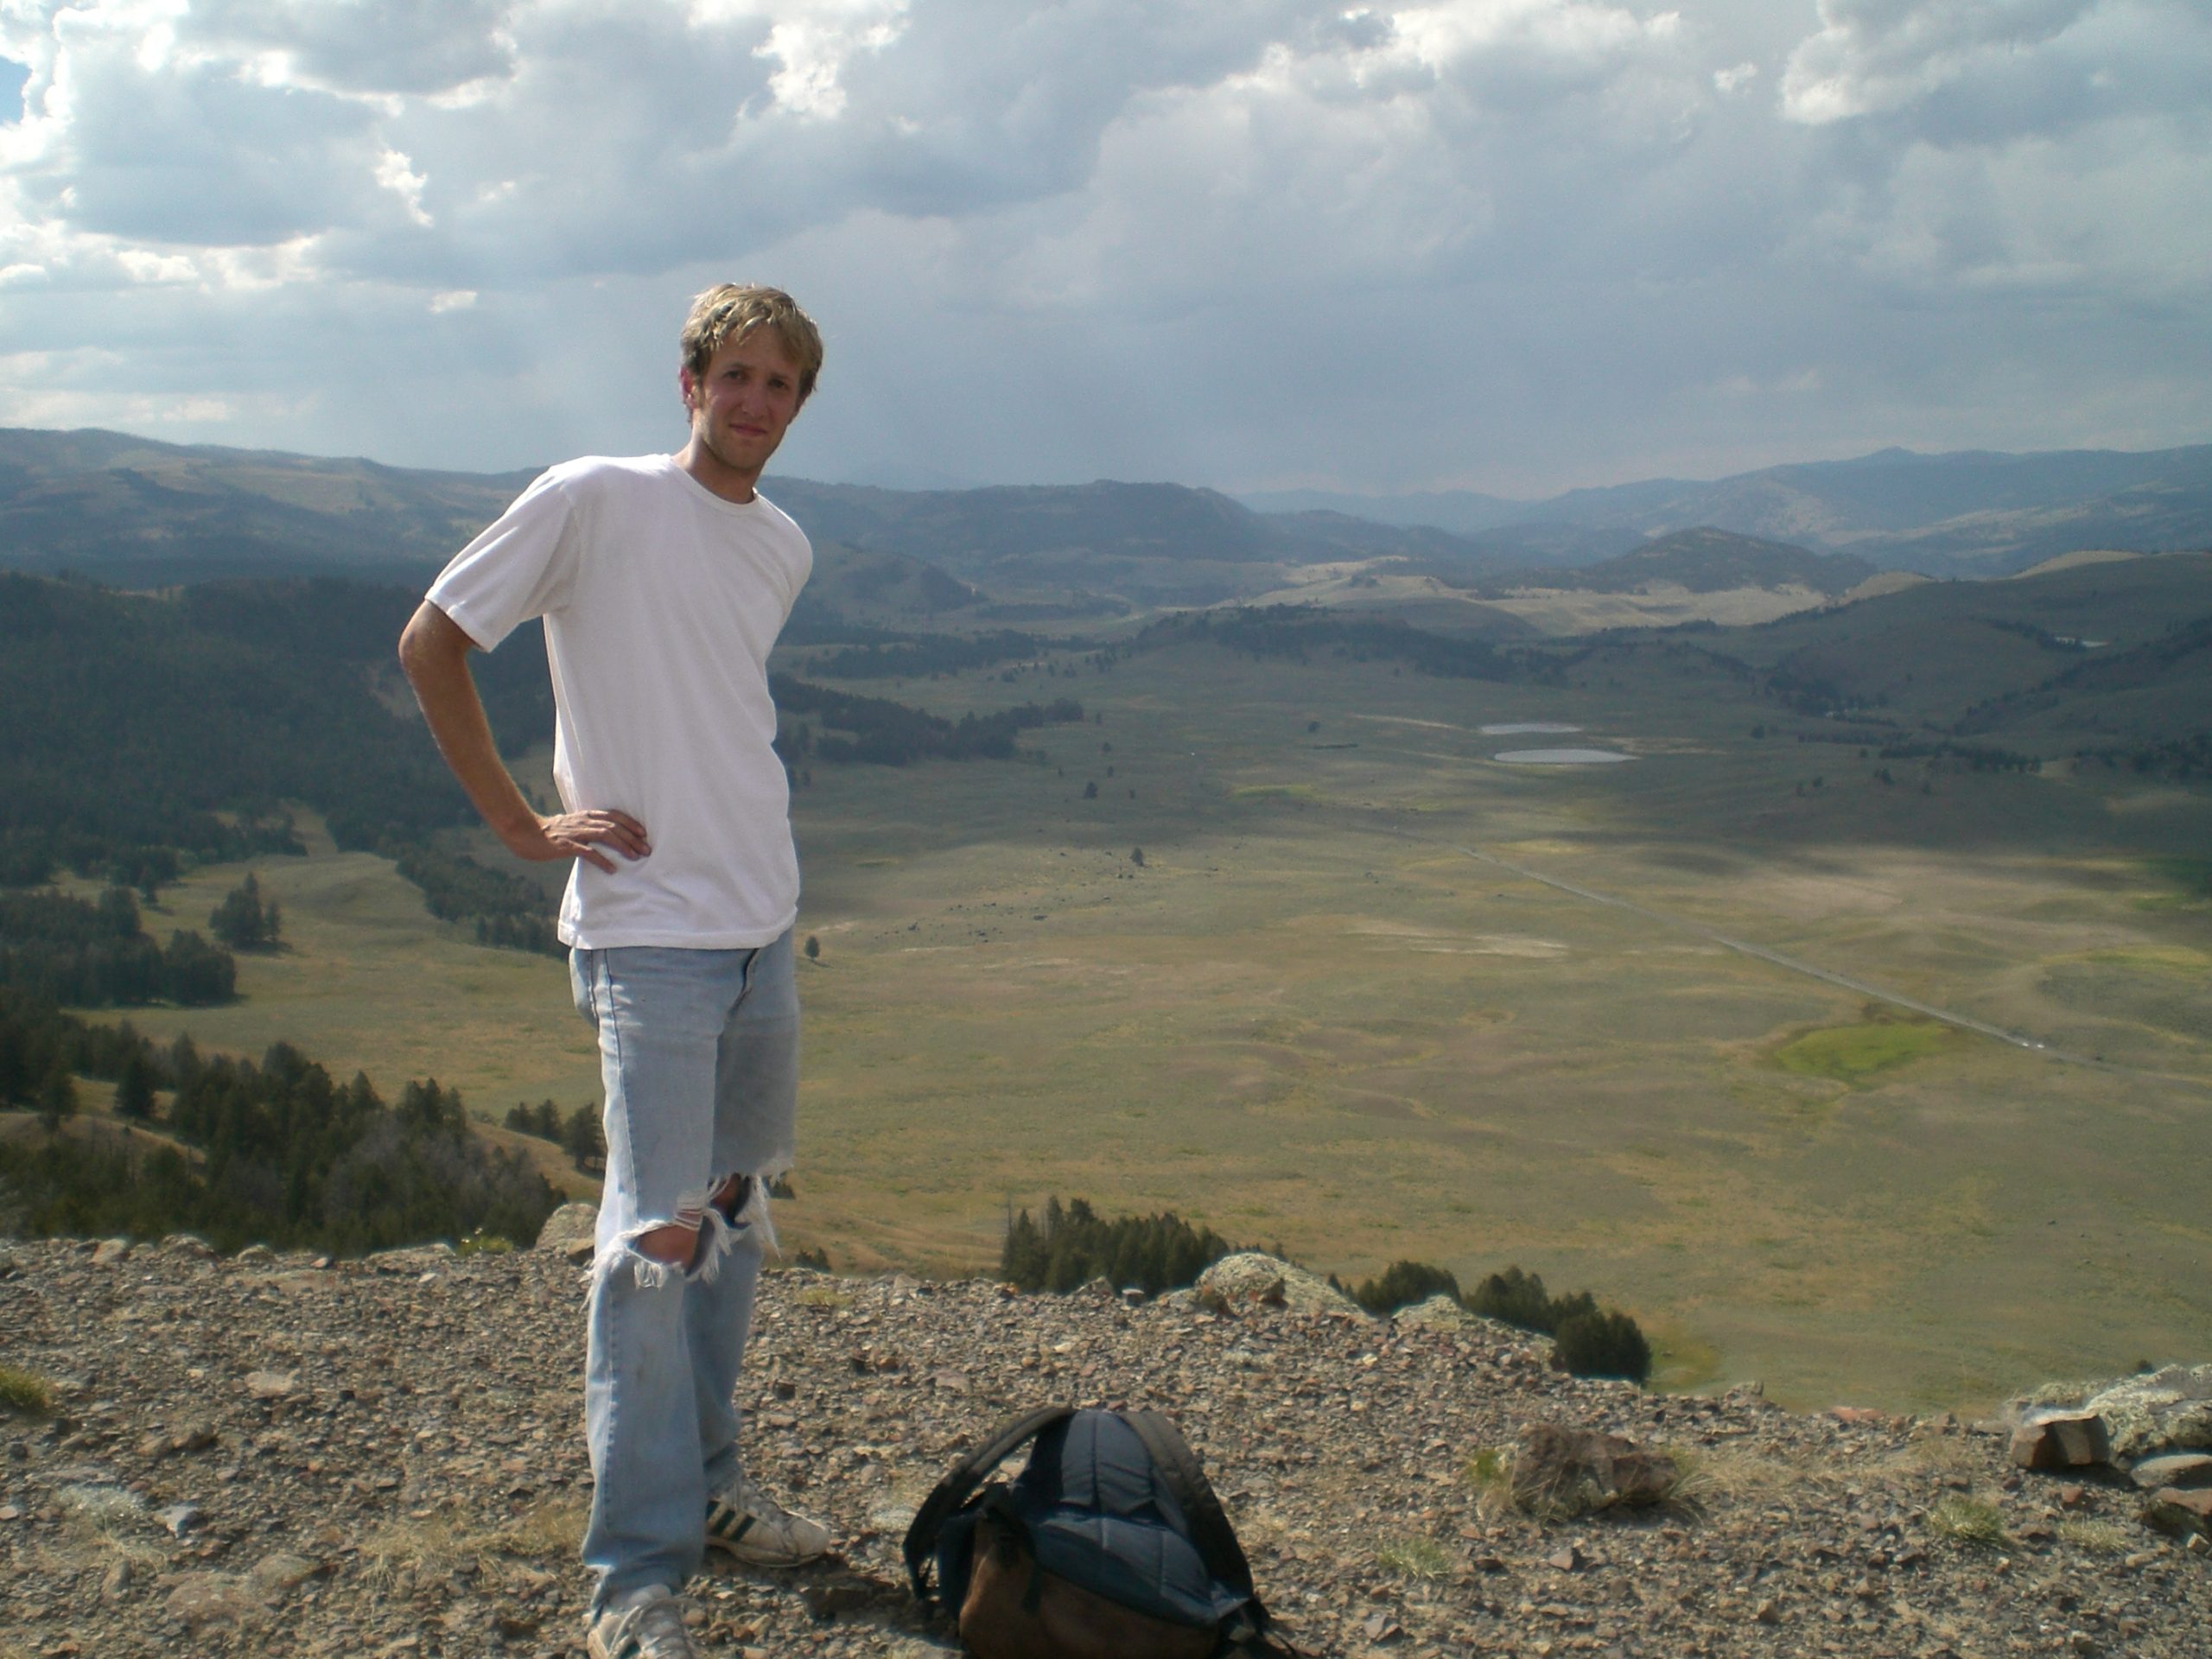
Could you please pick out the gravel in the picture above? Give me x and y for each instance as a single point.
(285, 1455)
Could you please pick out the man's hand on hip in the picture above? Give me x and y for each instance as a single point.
(581, 835)
(433, 650)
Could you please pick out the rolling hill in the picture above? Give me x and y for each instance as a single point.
(2107, 658)
(1702, 561)
(132, 510)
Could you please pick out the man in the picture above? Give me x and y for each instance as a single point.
(663, 582)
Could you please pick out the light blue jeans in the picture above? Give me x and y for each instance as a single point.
(699, 1056)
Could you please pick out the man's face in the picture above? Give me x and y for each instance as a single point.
(741, 404)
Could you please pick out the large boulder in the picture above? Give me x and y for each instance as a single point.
(2188, 1471)
(2180, 1513)
(573, 1231)
(2061, 1439)
(1559, 1472)
(2147, 1414)
(200, 1599)
(1251, 1278)
(1438, 1312)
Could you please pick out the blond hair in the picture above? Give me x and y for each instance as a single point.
(730, 311)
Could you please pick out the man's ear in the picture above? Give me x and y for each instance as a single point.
(686, 384)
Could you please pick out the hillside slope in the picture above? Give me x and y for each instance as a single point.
(1702, 561)
(132, 511)
(283, 1455)
(2093, 656)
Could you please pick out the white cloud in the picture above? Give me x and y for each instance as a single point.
(147, 266)
(396, 174)
(1874, 55)
(1401, 240)
(2042, 146)
(814, 50)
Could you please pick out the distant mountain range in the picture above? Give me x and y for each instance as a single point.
(1968, 513)
(136, 512)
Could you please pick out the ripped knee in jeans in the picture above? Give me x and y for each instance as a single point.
(729, 1210)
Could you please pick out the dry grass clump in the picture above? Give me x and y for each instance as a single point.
(554, 1527)
(1414, 1557)
(1489, 1471)
(102, 1520)
(25, 1392)
(1971, 1522)
(106, 1510)
(2098, 1538)
(1936, 1454)
(1713, 1476)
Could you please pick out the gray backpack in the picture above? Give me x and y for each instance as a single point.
(1110, 1544)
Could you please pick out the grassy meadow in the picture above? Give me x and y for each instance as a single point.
(1335, 1007)
(367, 981)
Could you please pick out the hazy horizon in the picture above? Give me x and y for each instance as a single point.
(1349, 491)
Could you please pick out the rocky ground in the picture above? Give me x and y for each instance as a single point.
(284, 1455)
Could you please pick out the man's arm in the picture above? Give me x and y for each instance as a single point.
(433, 650)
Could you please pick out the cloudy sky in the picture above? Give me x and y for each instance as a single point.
(1511, 245)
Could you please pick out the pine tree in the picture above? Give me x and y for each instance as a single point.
(1021, 1259)
(240, 920)
(583, 1140)
(134, 1089)
(57, 1099)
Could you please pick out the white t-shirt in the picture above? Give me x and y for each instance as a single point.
(661, 600)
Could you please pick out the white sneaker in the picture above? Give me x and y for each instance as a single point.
(749, 1524)
(646, 1624)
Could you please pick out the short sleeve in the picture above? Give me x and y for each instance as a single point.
(522, 566)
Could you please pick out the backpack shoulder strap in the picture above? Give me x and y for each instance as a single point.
(960, 1483)
(1209, 1528)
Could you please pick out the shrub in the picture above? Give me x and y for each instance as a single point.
(1074, 1244)
(1604, 1344)
(1515, 1297)
(1590, 1341)
(1404, 1283)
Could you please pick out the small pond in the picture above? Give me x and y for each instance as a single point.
(1528, 728)
(1562, 757)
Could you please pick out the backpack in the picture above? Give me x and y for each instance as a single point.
(1108, 1545)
